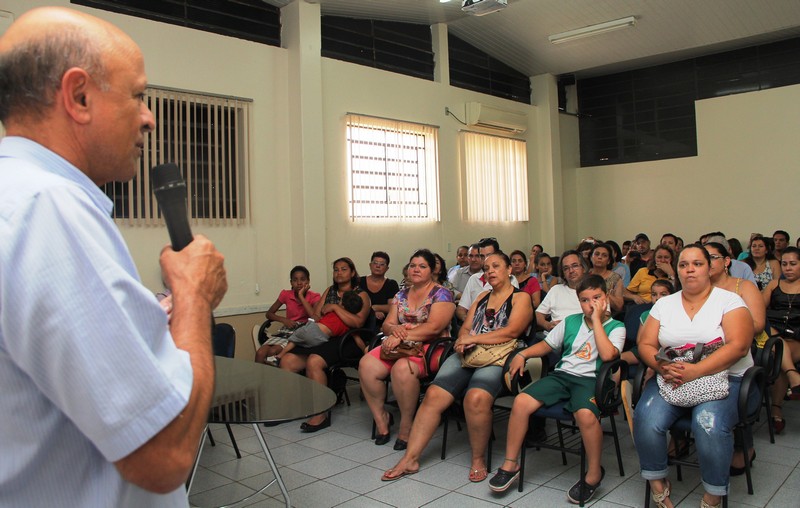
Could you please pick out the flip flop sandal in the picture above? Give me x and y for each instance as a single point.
(478, 475)
(388, 478)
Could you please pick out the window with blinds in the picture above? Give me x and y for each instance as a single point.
(496, 178)
(393, 170)
(207, 137)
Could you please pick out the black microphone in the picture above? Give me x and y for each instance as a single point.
(169, 188)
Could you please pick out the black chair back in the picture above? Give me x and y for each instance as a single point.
(223, 340)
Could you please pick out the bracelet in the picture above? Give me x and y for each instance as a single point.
(512, 460)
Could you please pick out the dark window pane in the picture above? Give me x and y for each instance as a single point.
(404, 48)
(251, 20)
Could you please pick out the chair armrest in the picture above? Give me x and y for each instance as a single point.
(367, 335)
(513, 384)
(376, 340)
(753, 379)
(434, 360)
(608, 394)
(262, 332)
(769, 361)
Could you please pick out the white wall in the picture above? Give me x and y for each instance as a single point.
(358, 89)
(744, 179)
(261, 253)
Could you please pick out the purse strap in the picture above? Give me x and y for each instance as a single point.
(698, 352)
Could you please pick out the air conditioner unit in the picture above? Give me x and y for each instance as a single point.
(489, 117)
(483, 7)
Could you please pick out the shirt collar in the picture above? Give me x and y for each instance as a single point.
(51, 162)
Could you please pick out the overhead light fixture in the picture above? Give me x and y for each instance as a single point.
(443, 1)
(591, 30)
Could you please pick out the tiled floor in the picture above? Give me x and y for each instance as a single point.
(341, 467)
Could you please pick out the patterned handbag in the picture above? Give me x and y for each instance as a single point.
(703, 389)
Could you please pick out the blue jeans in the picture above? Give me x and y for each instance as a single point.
(712, 428)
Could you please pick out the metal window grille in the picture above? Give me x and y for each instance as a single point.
(392, 167)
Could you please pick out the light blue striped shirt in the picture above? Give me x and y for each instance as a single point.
(88, 369)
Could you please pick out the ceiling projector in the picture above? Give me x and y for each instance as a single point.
(482, 7)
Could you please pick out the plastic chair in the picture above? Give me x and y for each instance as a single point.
(223, 343)
(608, 397)
(337, 377)
(769, 358)
(754, 378)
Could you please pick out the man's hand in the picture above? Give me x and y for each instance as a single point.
(196, 270)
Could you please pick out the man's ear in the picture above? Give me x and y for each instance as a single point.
(75, 94)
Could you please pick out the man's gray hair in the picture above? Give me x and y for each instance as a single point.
(31, 72)
(720, 240)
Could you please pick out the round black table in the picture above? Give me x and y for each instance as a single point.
(252, 393)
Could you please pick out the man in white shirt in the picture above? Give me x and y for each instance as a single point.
(476, 283)
(475, 265)
(562, 300)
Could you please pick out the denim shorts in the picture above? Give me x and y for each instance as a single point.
(457, 380)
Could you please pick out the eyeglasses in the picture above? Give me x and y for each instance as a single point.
(569, 268)
(715, 257)
(378, 264)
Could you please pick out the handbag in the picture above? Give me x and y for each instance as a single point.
(702, 389)
(405, 349)
(483, 355)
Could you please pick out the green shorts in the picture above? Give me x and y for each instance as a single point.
(559, 386)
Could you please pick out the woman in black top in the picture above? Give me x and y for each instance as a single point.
(783, 316)
(379, 289)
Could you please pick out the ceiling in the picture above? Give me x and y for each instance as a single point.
(665, 30)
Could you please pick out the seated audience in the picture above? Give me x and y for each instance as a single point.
(765, 266)
(462, 275)
(626, 247)
(527, 283)
(299, 302)
(420, 313)
(477, 284)
(585, 339)
(544, 273)
(660, 266)
(669, 240)
(496, 317)
(620, 266)
(737, 268)
(379, 288)
(601, 260)
(699, 313)
(736, 248)
(440, 275)
(535, 251)
(461, 261)
(562, 299)
(658, 290)
(585, 248)
(330, 325)
(720, 261)
(781, 240)
(642, 245)
(315, 360)
(783, 317)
